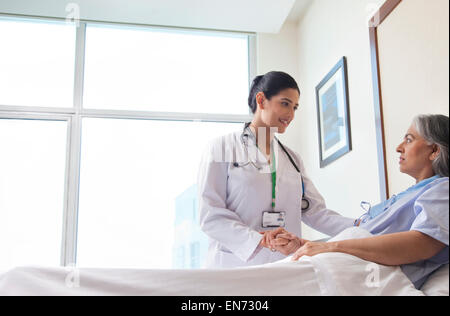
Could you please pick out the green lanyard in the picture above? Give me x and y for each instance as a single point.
(274, 179)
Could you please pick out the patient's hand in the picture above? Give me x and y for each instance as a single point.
(311, 249)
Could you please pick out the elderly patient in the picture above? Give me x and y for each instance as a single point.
(411, 228)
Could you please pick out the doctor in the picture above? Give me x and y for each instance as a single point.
(250, 183)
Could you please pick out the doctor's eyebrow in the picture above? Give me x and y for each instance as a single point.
(289, 100)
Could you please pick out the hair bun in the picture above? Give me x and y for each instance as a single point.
(253, 88)
(257, 80)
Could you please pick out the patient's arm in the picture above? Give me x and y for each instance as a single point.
(389, 249)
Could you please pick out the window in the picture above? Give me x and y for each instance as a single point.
(32, 166)
(166, 71)
(137, 188)
(101, 132)
(37, 63)
(195, 255)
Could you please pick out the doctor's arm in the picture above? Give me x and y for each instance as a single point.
(218, 222)
(319, 217)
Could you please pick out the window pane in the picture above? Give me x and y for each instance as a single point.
(37, 63)
(32, 167)
(167, 71)
(138, 198)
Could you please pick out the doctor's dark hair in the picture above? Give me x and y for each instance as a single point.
(270, 84)
(435, 130)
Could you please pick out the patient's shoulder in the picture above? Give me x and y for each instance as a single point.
(440, 184)
(435, 197)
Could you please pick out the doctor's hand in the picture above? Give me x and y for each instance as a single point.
(269, 236)
(287, 243)
(311, 249)
(265, 239)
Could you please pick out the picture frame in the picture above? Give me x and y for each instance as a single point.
(333, 115)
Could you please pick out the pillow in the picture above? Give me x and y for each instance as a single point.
(437, 283)
(351, 233)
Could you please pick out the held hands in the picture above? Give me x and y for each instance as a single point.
(287, 243)
(281, 240)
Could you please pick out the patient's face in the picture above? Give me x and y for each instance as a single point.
(415, 154)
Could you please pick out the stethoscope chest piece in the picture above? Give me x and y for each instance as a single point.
(305, 205)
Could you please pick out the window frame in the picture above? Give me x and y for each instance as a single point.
(74, 116)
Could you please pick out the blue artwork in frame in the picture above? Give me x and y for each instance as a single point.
(333, 114)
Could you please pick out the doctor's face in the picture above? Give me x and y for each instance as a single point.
(279, 111)
(416, 155)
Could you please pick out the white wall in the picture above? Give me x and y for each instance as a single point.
(329, 30)
(414, 68)
(278, 51)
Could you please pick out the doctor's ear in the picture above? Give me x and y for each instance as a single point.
(260, 98)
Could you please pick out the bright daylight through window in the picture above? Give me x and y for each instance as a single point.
(102, 128)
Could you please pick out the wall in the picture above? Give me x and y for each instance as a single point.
(329, 30)
(414, 69)
(278, 51)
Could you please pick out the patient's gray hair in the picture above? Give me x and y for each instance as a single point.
(434, 129)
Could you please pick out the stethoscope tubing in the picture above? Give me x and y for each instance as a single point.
(305, 202)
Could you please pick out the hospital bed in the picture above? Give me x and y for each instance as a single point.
(324, 274)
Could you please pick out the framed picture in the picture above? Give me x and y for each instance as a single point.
(333, 114)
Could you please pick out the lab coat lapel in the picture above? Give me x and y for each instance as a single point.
(280, 165)
(256, 155)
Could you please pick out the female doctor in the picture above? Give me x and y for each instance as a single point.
(250, 183)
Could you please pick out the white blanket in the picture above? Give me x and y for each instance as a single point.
(324, 274)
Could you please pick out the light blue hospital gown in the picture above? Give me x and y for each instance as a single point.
(424, 207)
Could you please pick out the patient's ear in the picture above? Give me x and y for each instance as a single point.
(435, 153)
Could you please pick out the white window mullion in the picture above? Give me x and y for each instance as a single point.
(79, 67)
(252, 66)
(69, 244)
(167, 116)
(68, 251)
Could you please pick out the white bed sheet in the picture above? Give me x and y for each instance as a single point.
(324, 274)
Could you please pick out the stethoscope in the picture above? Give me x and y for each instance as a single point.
(244, 139)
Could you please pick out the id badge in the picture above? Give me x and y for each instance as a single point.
(273, 219)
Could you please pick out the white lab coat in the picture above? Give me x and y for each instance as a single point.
(232, 200)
